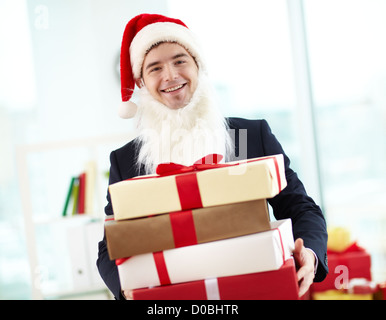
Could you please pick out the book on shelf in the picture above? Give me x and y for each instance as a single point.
(75, 195)
(80, 194)
(69, 197)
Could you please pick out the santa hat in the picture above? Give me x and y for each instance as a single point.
(141, 33)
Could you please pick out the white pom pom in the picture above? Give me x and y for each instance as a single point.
(127, 110)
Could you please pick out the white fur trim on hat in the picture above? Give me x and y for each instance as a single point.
(127, 109)
(161, 32)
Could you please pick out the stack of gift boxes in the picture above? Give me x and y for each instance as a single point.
(349, 275)
(203, 232)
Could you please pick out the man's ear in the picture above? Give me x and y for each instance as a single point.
(139, 83)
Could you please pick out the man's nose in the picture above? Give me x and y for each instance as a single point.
(170, 73)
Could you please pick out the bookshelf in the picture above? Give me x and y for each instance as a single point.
(62, 250)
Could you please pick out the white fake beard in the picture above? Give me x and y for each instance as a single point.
(183, 135)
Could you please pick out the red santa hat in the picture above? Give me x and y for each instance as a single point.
(141, 33)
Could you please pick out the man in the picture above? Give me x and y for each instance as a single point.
(178, 121)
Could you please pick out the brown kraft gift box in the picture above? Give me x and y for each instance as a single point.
(131, 237)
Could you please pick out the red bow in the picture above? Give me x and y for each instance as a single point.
(210, 161)
(352, 248)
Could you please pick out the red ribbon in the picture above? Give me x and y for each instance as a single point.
(187, 184)
(188, 191)
(277, 172)
(160, 265)
(184, 231)
(121, 260)
(210, 161)
(162, 270)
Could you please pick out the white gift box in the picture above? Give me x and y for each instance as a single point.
(252, 253)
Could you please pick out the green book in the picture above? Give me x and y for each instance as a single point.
(68, 197)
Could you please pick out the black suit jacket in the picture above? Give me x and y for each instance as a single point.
(293, 202)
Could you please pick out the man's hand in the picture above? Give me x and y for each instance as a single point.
(305, 261)
(128, 294)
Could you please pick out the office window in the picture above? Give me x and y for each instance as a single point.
(248, 52)
(347, 51)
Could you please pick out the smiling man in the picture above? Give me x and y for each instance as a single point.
(170, 74)
(177, 117)
(179, 121)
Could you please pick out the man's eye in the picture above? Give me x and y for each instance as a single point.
(155, 69)
(180, 61)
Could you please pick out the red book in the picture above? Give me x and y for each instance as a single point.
(278, 284)
(82, 193)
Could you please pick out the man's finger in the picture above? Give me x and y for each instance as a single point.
(305, 284)
(301, 273)
(298, 245)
